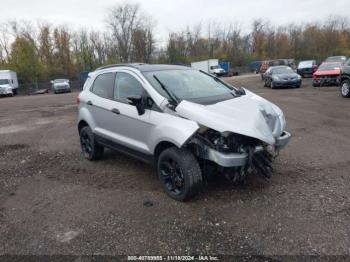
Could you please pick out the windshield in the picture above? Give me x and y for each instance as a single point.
(60, 81)
(4, 81)
(332, 66)
(283, 70)
(190, 85)
(305, 64)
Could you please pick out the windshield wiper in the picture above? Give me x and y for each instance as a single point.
(237, 91)
(171, 95)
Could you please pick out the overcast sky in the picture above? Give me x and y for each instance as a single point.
(173, 15)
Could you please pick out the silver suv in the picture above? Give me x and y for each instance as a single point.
(189, 124)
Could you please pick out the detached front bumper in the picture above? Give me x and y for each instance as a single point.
(331, 80)
(240, 159)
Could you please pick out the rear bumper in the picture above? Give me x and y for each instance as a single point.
(61, 90)
(240, 159)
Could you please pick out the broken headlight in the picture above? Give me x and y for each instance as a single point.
(227, 141)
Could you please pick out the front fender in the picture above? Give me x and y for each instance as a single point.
(171, 128)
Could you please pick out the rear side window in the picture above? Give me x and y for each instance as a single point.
(103, 85)
(126, 85)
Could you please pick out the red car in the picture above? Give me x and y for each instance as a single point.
(328, 73)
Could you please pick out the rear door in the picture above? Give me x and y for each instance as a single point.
(100, 103)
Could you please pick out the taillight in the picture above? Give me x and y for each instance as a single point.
(78, 100)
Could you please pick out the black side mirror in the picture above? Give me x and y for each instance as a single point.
(137, 101)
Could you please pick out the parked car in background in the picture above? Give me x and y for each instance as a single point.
(181, 120)
(8, 82)
(254, 66)
(82, 78)
(277, 62)
(290, 63)
(263, 68)
(342, 59)
(307, 68)
(281, 76)
(328, 73)
(210, 66)
(60, 86)
(345, 80)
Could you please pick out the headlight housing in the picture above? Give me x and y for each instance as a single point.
(276, 78)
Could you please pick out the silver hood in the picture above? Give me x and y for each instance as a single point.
(249, 115)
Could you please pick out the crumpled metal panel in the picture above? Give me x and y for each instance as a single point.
(249, 115)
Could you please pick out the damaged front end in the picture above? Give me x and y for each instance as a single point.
(241, 135)
(236, 155)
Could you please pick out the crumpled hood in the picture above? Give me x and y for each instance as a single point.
(327, 72)
(248, 115)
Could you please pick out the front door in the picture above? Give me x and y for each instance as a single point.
(131, 129)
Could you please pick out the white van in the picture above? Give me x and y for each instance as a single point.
(8, 82)
(210, 66)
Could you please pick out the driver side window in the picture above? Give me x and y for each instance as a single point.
(126, 85)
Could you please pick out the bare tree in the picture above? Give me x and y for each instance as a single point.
(5, 38)
(124, 20)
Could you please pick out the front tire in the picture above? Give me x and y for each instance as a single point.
(89, 146)
(179, 173)
(345, 88)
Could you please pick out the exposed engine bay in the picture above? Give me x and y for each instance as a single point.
(255, 157)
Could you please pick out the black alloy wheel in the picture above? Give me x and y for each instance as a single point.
(89, 147)
(179, 172)
(86, 146)
(172, 176)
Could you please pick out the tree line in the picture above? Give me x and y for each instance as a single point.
(43, 51)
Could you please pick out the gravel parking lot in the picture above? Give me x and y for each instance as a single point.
(53, 201)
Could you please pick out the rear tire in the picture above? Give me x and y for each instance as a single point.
(179, 172)
(89, 146)
(345, 88)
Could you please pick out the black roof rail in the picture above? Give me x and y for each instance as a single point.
(134, 65)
